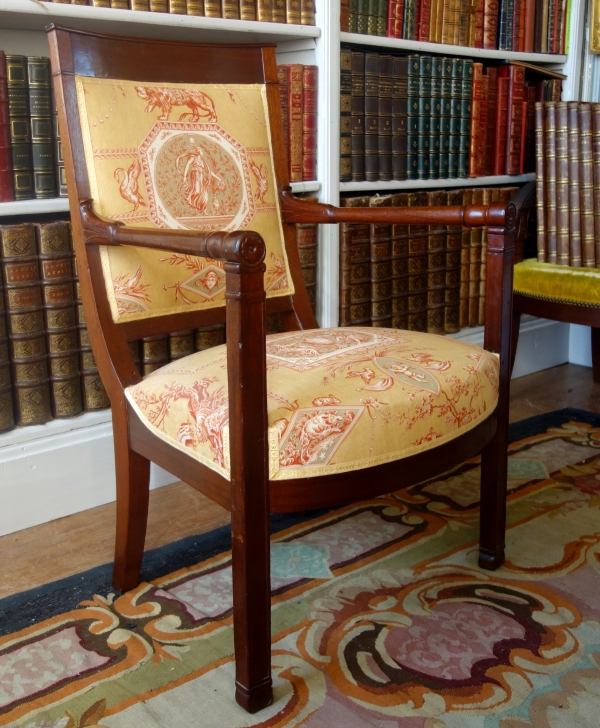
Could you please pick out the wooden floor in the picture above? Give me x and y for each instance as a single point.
(69, 545)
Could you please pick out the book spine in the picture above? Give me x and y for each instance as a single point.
(27, 338)
(562, 184)
(212, 8)
(479, 23)
(516, 90)
(540, 183)
(345, 16)
(353, 16)
(7, 186)
(104, 4)
(358, 117)
(491, 121)
(309, 122)
(399, 27)
(424, 20)
(586, 186)
(488, 197)
(142, 5)
(399, 110)
(490, 24)
(362, 15)
(453, 268)
(176, 7)
(550, 176)
(575, 252)
(455, 116)
(372, 9)
(529, 131)
(372, 117)
(382, 9)
(464, 15)
(521, 39)
(249, 9)
(155, 353)
(278, 11)
(417, 268)
(447, 24)
(501, 125)
(307, 12)
(455, 7)
(596, 173)
(306, 242)
(550, 26)
(58, 296)
(156, 6)
(230, 9)
(355, 268)
(192, 7)
(436, 267)
(20, 127)
(445, 114)
(207, 337)
(345, 114)
(295, 120)
(181, 343)
(471, 23)
(424, 117)
(283, 79)
(7, 415)
(386, 73)
(514, 40)
(41, 113)
(412, 117)
(408, 31)
(380, 236)
(475, 119)
(433, 19)
(482, 130)
(399, 319)
(59, 162)
(436, 116)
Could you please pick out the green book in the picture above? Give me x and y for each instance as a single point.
(372, 17)
(465, 118)
(436, 112)
(412, 117)
(425, 113)
(445, 105)
(382, 10)
(455, 115)
(353, 16)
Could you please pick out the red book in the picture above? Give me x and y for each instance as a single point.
(523, 137)
(529, 25)
(391, 19)
(479, 24)
(482, 131)
(309, 123)
(530, 130)
(501, 122)
(491, 8)
(424, 20)
(295, 106)
(7, 188)
(521, 37)
(515, 29)
(399, 18)
(490, 136)
(475, 118)
(516, 93)
(283, 77)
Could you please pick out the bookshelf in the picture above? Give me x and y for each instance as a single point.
(43, 465)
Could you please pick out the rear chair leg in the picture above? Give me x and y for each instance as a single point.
(133, 481)
(596, 354)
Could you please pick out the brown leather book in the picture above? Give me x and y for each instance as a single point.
(283, 78)
(529, 29)
(309, 122)
(155, 353)
(355, 268)
(25, 317)
(399, 116)
(230, 9)
(249, 10)
(206, 337)
(357, 105)
(143, 5)
(7, 186)
(372, 117)
(212, 8)
(400, 267)
(293, 12)
(120, 4)
(307, 12)
(596, 172)
(436, 267)
(550, 177)
(562, 183)
(58, 296)
(20, 127)
(575, 252)
(477, 101)
(540, 182)
(306, 242)
(278, 11)
(7, 417)
(475, 243)
(516, 92)
(295, 93)
(501, 124)
(345, 16)
(586, 186)
(417, 268)
(463, 22)
(177, 7)
(491, 10)
(453, 268)
(195, 7)
(158, 6)
(479, 22)
(181, 343)
(491, 120)
(380, 235)
(386, 69)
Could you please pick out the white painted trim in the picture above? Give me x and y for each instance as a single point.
(580, 345)
(414, 184)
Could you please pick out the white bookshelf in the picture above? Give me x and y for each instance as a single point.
(66, 466)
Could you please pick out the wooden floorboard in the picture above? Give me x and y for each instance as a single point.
(69, 545)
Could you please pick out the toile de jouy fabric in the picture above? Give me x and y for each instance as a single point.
(194, 157)
(338, 399)
(381, 618)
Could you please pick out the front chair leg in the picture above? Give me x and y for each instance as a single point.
(133, 481)
(494, 463)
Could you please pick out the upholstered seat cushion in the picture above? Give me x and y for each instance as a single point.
(559, 283)
(338, 399)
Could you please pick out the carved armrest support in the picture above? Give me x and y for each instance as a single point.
(242, 247)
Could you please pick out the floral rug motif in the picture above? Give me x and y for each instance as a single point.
(381, 617)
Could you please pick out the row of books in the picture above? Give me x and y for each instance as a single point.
(299, 12)
(298, 90)
(428, 117)
(47, 368)
(31, 163)
(567, 137)
(530, 26)
(417, 277)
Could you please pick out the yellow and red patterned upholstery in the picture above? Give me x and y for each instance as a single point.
(180, 156)
(338, 399)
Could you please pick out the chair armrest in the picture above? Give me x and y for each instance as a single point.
(294, 210)
(244, 247)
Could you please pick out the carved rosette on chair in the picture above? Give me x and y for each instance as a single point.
(183, 217)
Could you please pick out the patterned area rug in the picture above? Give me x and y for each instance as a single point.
(381, 616)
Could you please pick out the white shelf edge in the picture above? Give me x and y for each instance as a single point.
(449, 50)
(33, 15)
(34, 207)
(413, 184)
(24, 435)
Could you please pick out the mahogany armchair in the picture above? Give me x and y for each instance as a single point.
(183, 143)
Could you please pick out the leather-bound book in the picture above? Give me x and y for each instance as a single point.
(596, 172)
(399, 267)
(417, 268)
(292, 12)
(436, 267)
(283, 79)
(357, 121)
(399, 111)
(464, 15)
(516, 92)
(58, 296)
(20, 127)
(529, 26)
(476, 126)
(309, 122)
(380, 235)
(436, 9)
(7, 186)
(124, 4)
(455, 116)
(551, 26)
(306, 242)
(345, 15)
(355, 268)
(562, 184)
(475, 244)
(42, 136)
(465, 118)
(362, 16)
(390, 28)
(212, 8)
(424, 20)
(471, 21)
(345, 114)
(208, 336)
(501, 124)
(371, 117)
(386, 68)
(453, 268)
(382, 8)
(445, 114)
(399, 27)
(295, 93)
(457, 8)
(424, 118)
(372, 17)
(181, 343)
(491, 10)
(445, 28)
(307, 12)
(59, 162)
(106, 4)
(7, 416)
(193, 7)
(352, 16)
(230, 9)
(144, 5)
(410, 20)
(540, 182)
(506, 11)
(550, 176)
(155, 353)
(586, 186)
(25, 317)
(491, 120)
(575, 251)
(437, 65)
(278, 11)
(514, 39)
(412, 117)
(249, 10)
(177, 7)
(479, 23)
